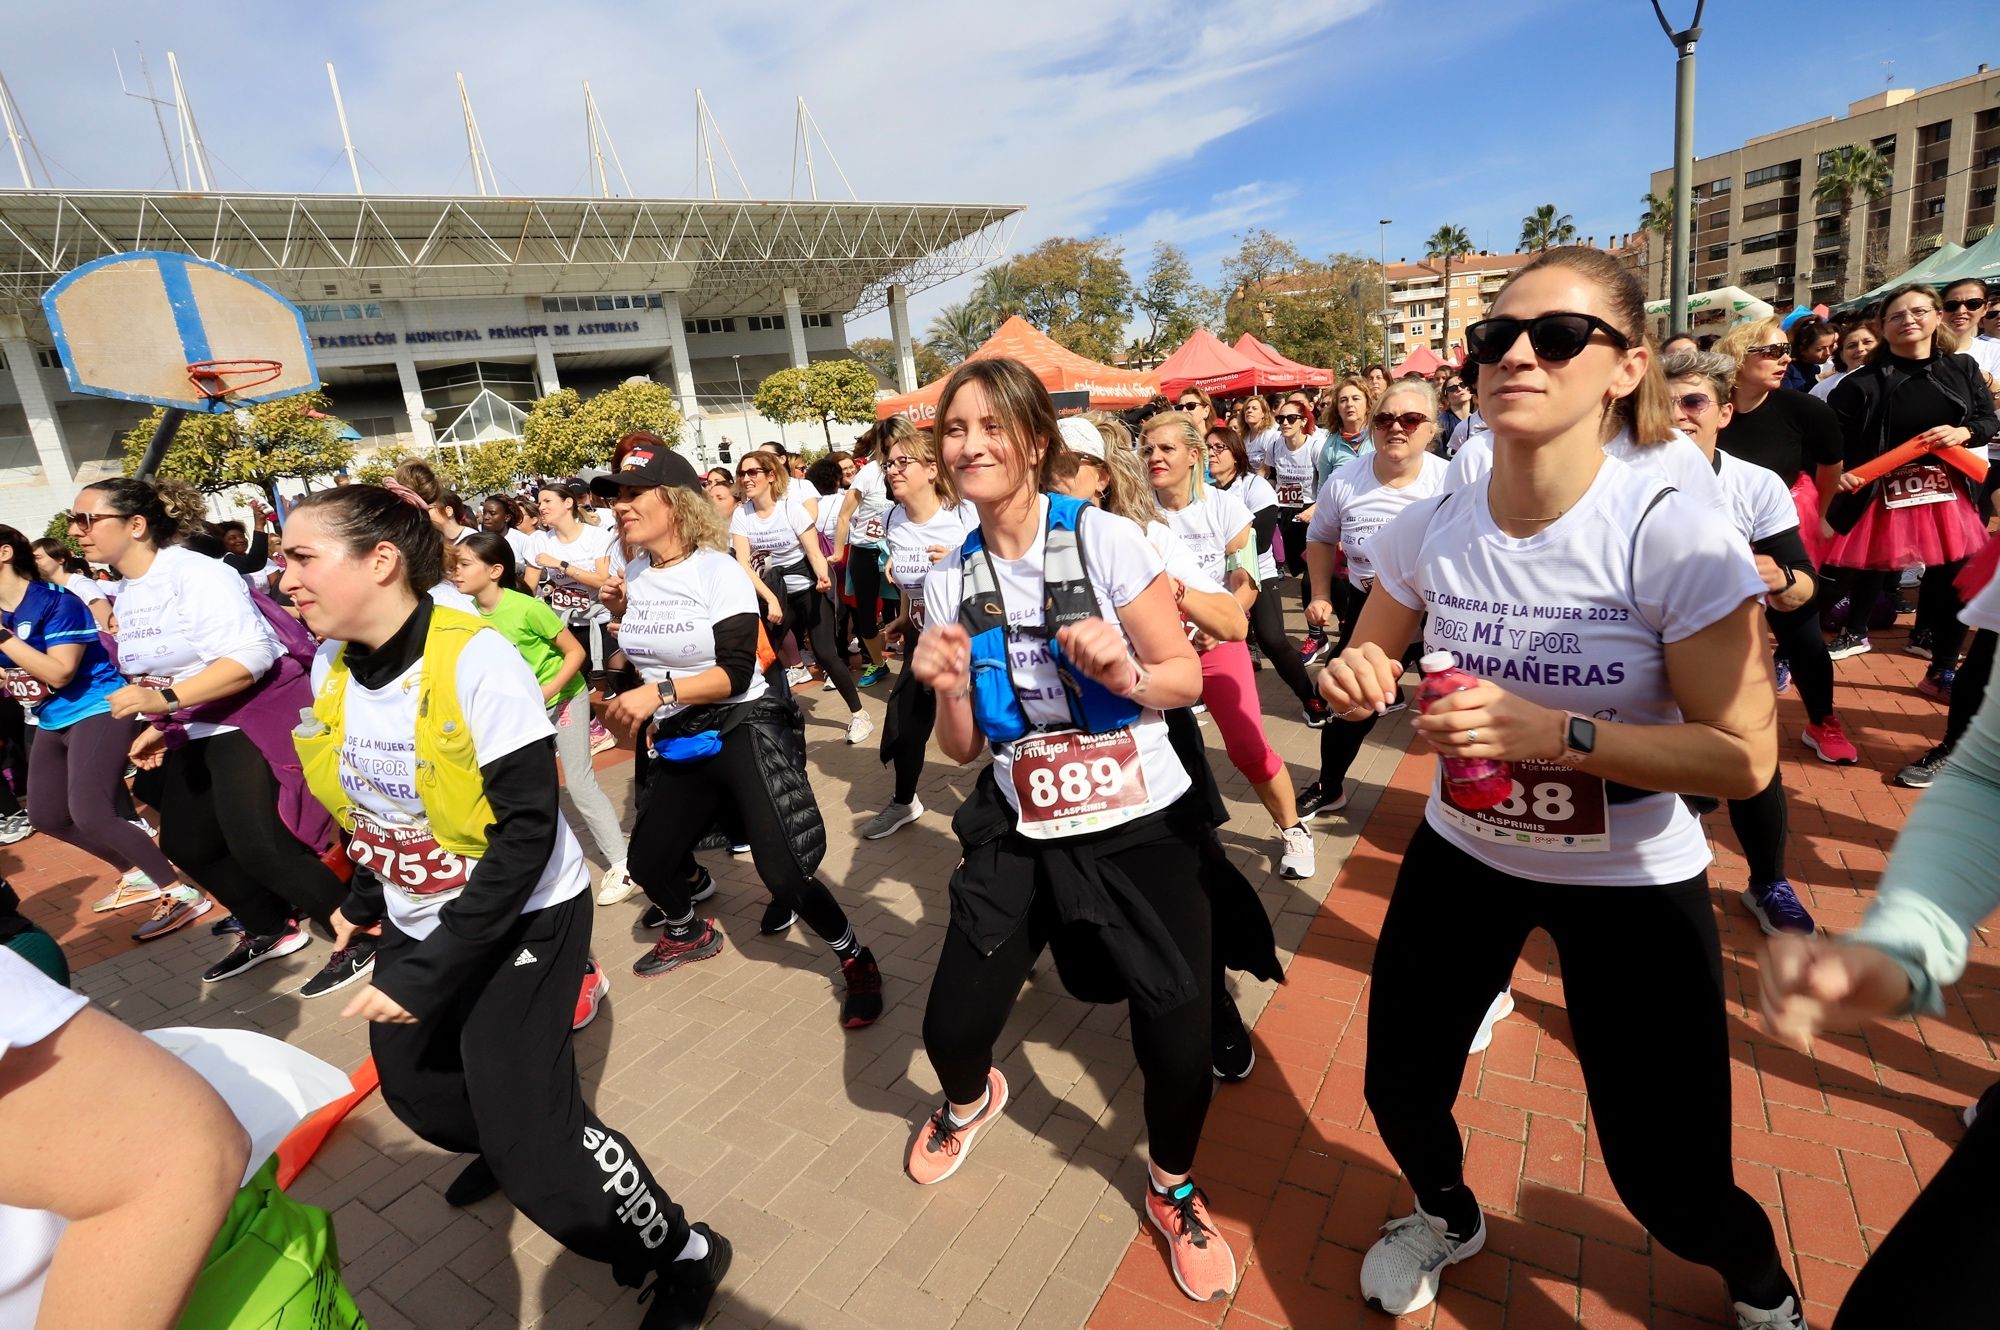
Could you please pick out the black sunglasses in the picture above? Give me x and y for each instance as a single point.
(1553, 336)
(1411, 421)
(1289, 418)
(1188, 406)
(1975, 304)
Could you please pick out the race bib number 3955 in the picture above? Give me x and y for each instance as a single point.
(1071, 784)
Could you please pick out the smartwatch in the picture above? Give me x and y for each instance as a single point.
(668, 696)
(1579, 739)
(1791, 579)
(563, 566)
(171, 698)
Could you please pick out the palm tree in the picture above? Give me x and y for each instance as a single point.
(1847, 172)
(958, 330)
(1543, 227)
(1445, 244)
(1000, 295)
(1659, 215)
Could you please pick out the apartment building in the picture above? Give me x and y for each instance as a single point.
(1423, 311)
(1757, 225)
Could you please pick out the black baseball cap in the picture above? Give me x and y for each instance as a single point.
(649, 462)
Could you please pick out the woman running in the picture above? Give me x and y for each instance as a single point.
(925, 525)
(1079, 814)
(56, 667)
(1614, 627)
(1925, 512)
(202, 660)
(1356, 502)
(1289, 466)
(1765, 516)
(1215, 528)
(429, 741)
(777, 544)
(483, 570)
(58, 565)
(864, 513)
(1229, 466)
(722, 738)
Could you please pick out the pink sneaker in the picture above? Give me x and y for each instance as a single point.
(1829, 740)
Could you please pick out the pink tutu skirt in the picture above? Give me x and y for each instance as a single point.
(1891, 539)
(1805, 497)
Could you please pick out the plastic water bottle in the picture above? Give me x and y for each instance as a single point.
(1472, 782)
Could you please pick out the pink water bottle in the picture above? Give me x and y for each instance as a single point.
(1472, 782)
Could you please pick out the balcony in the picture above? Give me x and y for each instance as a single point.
(1424, 293)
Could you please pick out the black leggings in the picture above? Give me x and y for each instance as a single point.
(916, 717)
(1340, 740)
(1642, 968)
(1801, 643)
(864, 570)
(1938, 605)
(1760, 824)
(1267, 625)
(219, 824)
(972, 996)
(494, 1074)
(809, 615)
(679, 804)
(1293, 533)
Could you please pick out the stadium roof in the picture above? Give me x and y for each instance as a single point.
(725, 256)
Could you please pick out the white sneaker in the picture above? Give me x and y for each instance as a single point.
(1297, 862)
(826, 685)
(1969, 1114)
(1502, 1008)
(798, 676)
(145, 826)
(859, 727)
(616, 885)
(1787, 1315)
(892, 819)
(1402, 1270)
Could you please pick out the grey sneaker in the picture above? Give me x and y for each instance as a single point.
(1402, 1271)
(176, 908)
(892, 819)
(1785, 1316)
(1920, 774)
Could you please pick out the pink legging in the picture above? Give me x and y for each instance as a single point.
(1230, 693)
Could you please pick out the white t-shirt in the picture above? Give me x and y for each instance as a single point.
(1207, 525)
(1180, 559)
(85, 587)
(1354, 504)
(1678, 461)
(1255, 494)
(523, 546)
(1826, 385)
(1122, 564)
(575, 602)
(909, 547)
(32, 1007)
(670, 615)
(1759, 504)
(188, 612)
(1259, 446)
(829, 514)
(502, 703)
(774, 539)
(871, 515)
(1574, 617)
(1985, 351)
(1292, 473)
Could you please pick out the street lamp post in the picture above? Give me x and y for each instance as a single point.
(1683, 219)
(742, 401)
(1383, 238)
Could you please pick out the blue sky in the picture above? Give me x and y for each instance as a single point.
(1189, 120)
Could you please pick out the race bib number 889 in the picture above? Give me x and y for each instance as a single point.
(1070, 784)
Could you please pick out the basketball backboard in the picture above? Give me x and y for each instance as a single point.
(178, 332)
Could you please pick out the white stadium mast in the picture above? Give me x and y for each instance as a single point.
(704, 121)
(804, 130)
(483, 174)
(18, 137)
(346, 139)
(599, 135)
(194, 155)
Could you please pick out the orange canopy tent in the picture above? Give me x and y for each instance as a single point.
(1059, 368)
(1207, 362)
(1288, 373)
(1422, 361)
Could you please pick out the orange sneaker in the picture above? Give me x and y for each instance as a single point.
(1203, 1265)
(941, 1144)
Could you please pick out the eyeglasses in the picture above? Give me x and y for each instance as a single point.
(1694, 404)
(1771, 351)
(1917, 315)
(88, 520)
(898, 463)
(1290, 418)
(1975, 304)
(1555, 337)
(1411, 421)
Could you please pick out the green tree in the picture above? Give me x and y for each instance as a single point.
(380, 464)
(1545, 227)
(1325, 313)
(1001, 294)
(879, 354)
(58, 529)
(822, 391)
(1849, 172)
(1078, 292)
(1172, 301)
(1253, 276)
(1444, 245)
(291, 438)
(957, 331)
(1659, 214)
(565, 434)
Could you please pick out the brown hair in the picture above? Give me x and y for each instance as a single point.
(1021, 404)
(360, 517)
(1943, 340)
(1200, 395)
(922, 445)
(1645, 410)
(1231, 439)
(776, 471)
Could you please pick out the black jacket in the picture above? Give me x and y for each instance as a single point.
(1861, 402)
(776, 731)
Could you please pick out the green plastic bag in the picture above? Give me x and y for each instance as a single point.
(274, 1266)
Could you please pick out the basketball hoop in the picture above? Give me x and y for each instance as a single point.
(217, 380)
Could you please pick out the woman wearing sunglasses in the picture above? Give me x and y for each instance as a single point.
(1355, 503)
(1229, 466)
(1613, 624)
(1925, 512)
(777, 543)
(1198, 406)
(1965, 304)
(1290, 468)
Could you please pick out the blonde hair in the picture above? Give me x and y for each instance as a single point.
(1943, 340)
(922, 445)
(776, 471)
(1736, 343)
(696, 518)
(1189, 436)
(1645, 410)
(1130, 493)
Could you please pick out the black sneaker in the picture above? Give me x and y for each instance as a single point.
(1319, 712)
(670, 953)
(653, 917)
(474, 1183)
(863, 1004)
(1920, 774)
(682, 1290)
(1232, 1057)
(714, 840)
(1313, 801)
(225, 926)
(778, 917)
(1919, 644)
(352, 962)
(1846, 643)
(251, 952)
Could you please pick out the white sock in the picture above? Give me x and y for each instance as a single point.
(696, 1248)
(958, 1121)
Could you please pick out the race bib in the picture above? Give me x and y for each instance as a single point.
(1070, 784)
(869, 530)
(568, 599)
(407, 858)
(1291, 494)
(1914, 484)
(25, 688)
(1550, 808)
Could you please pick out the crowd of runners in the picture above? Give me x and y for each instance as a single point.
(355, 729)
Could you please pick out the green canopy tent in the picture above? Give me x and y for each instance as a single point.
(1938, 267)
(1981, 261)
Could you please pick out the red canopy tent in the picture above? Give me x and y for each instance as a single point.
(1207, 362)
(1059, 368)
(1289, 373)
(1422, 361)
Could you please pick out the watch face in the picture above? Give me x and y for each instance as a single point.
(1582, 734)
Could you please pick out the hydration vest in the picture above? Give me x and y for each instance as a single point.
(1066, 598)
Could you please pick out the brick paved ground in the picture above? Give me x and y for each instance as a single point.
(764, 1117)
